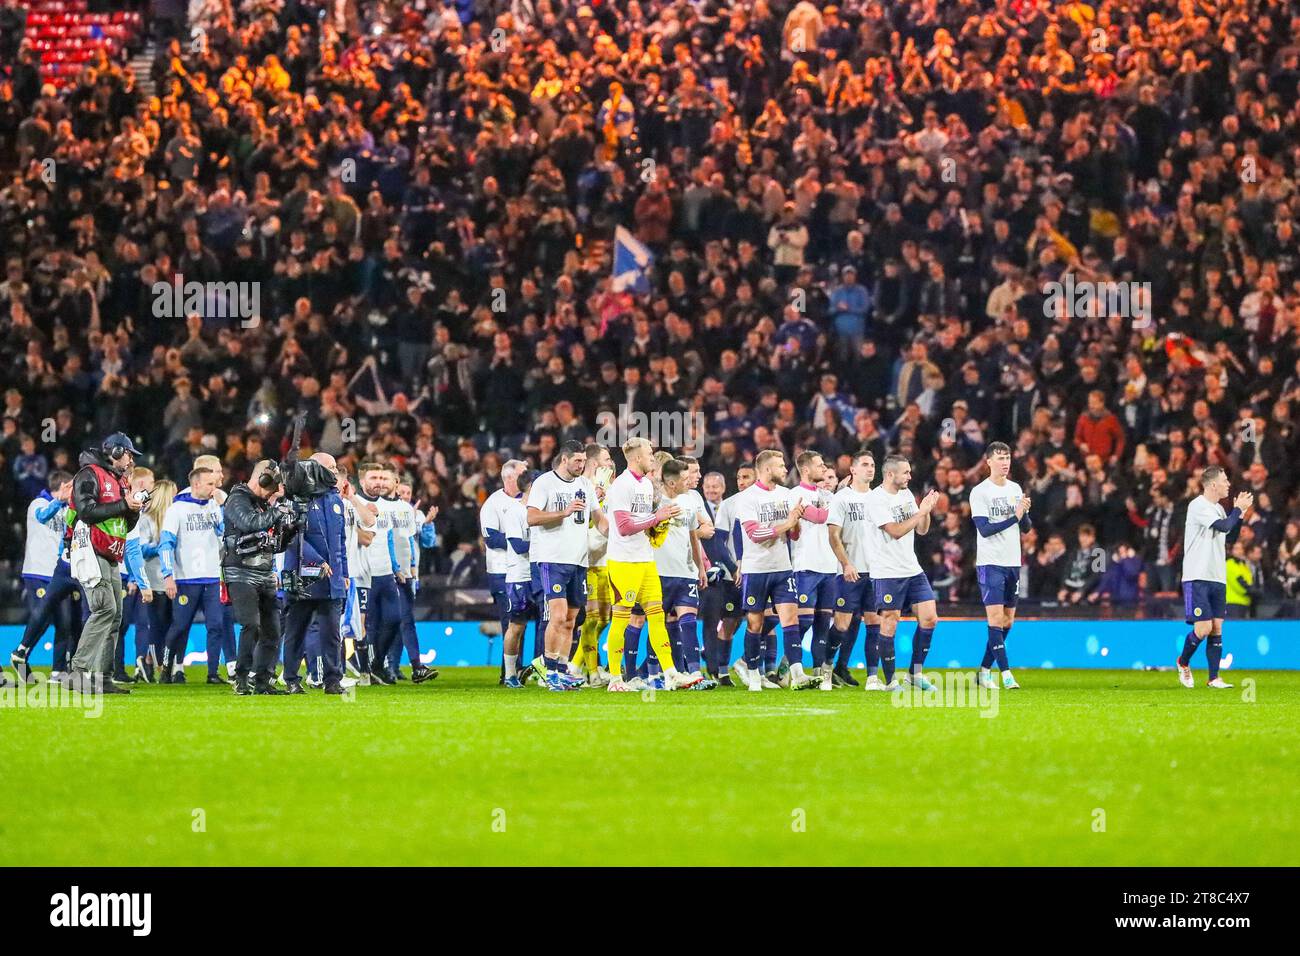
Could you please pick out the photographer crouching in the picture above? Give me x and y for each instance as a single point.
(259, 523)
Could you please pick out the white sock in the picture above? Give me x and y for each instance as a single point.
(796, 671)
(512, 665)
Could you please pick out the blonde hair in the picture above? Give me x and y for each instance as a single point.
(211, 462)
(160, 500)
(632, 444)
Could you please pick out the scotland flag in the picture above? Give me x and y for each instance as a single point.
(633, 261)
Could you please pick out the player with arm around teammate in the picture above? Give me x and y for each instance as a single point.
(720, 602)
(897, 581)
(1000, 511)
(847, 526)
(420, 533)
(733, 611)
(1205, 571)
(815, 565)
(560, 503)
(600, 472)
(768, 519)
(633, 576)
(679, 560)
(359, 531)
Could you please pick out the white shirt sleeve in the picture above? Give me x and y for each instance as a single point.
(835, 512)
(617, 498)
(878, 511)
(172, 521)
(538, 495)
(489, 519)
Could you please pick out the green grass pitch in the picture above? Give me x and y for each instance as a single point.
(1078, 768)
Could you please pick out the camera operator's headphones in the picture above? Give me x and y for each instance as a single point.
(116, 445)
(270, 478)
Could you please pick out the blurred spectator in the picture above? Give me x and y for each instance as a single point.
(1084, 569)
(1241, 582)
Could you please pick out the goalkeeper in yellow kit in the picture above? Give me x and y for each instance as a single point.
(633, 576)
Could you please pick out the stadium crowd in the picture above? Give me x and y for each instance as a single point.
(854, 212)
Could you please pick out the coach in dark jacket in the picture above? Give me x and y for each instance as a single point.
(320, 560)
(256, 528)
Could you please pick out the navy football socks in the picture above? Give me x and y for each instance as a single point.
(722, 654)
(991, 647)
(753, 649)
(1214, 652)
(821, 646)
(920, 648)
(769, 643)
(873, 648)
(1190, 644)
(675, 641)
(631, 645)
(792, 638)
(885, 644)
(689, 635)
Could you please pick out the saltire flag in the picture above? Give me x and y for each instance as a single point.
(633, 261)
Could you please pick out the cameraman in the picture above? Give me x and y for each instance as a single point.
(316, 573)
(105, 512)
(258, 524)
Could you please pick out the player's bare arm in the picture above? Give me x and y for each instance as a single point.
(842, 554)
